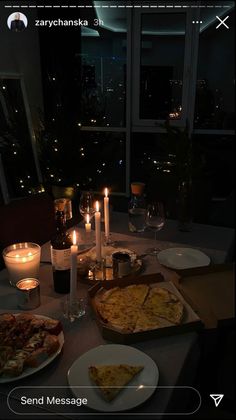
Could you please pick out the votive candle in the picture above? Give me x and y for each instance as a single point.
(87, 224)
(22, 260)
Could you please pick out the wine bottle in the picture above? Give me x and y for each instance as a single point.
(60, 254)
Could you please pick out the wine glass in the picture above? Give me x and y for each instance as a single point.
(155, 220)
(86, 204)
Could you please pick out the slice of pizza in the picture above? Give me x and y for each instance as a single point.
(133, 295)
(147, 321)
(138, 293)
(120, 316)
(111, 379)
(162, 303)
(115, 296)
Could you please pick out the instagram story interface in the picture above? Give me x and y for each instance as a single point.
(117, 126)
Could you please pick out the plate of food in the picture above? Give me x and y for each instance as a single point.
(28, 343)
(113, 377)
(182, 258)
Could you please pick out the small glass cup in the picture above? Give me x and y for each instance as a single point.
(73, 310)
(83, 265)
(22, 260)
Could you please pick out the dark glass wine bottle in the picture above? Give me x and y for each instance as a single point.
(60, 255)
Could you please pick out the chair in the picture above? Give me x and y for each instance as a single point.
(27, 219)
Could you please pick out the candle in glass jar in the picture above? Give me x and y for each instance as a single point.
(87, 224)
(98, 232)
(22, 261)
(106, 214)
(73, 269)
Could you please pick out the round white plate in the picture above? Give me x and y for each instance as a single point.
(31, 371)
(136, 392)
(181, 258)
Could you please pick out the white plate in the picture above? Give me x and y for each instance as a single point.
(181, 258)
(135, 393)
(30, 371)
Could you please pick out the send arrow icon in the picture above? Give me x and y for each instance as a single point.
(217, 398)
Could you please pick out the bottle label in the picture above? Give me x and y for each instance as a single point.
(61, 258)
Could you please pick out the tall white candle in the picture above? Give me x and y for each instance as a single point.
(98, 233)
(87, 224)
(73, 269)
(106, 214)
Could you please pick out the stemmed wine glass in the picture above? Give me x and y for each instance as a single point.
(86, 204)
(155, 220)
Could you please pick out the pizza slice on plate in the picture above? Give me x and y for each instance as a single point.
(111, 379)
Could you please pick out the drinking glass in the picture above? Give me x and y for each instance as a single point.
(155, 220)
(86, 204)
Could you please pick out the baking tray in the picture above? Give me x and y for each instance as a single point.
(191, 321)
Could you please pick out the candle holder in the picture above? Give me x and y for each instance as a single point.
(98, 270)
(22, 260)
(28, 293)
(108, 241)
(73, 309)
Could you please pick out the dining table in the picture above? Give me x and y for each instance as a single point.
(176, 356)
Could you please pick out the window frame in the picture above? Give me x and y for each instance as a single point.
(133, 123)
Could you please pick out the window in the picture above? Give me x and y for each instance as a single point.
(161, 79)
(17, 152)
(214, 106)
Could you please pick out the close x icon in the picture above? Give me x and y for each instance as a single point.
(222, 22)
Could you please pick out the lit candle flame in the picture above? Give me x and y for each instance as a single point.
(87, 218)
(106, 192)
(97, 206)
(74, 239)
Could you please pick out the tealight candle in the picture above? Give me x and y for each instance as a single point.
(106, 214)
(28, 292)
(98, 233)
(73, 269)
(22, 260)
(87, 224)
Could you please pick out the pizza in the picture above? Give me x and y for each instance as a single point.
(26, 341)
(111, 379)
(161, 302)
(121, 316)
(139, 307)
(130, 295)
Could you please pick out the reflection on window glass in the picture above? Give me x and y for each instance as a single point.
(162, 64)
(215, 79)
(101, 161)
(154, 164)
(15, 142)
(104, 71)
